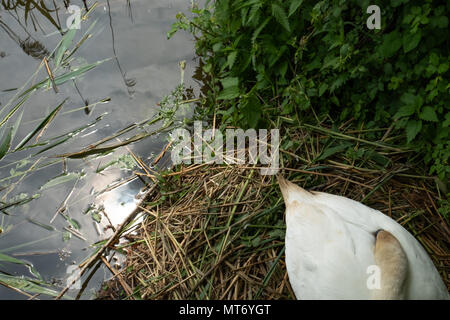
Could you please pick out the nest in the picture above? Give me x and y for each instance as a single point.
(217, 231)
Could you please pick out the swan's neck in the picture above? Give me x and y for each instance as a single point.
(393, 264)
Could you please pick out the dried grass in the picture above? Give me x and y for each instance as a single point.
(217, 231)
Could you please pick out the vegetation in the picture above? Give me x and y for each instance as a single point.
(41, 149)
(360, 111)
(316, 62)
(65, 68)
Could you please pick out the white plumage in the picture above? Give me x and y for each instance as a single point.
(330, 246)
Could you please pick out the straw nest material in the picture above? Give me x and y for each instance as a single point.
(217, 231)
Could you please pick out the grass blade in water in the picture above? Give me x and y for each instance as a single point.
(42, 126)
(6, 143)
(10, 114)
(65, 42)
(9, 259)
(20, 202)
(42, 225)
(27, 285)
(62, 179)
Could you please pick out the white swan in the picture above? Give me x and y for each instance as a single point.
(333, 242)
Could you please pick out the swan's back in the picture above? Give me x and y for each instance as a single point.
(329, 247)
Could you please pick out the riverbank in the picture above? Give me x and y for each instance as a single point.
(361, 113)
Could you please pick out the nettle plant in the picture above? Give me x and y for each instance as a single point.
(264, 58)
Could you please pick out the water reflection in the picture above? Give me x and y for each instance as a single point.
(144, 68)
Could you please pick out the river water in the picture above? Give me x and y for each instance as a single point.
(143, 67)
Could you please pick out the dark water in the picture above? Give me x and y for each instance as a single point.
(146, 69)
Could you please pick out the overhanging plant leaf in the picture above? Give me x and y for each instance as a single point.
(412, 129)
(260, 28)
(230, 82)
(229, 93)
(391, 43)
(231, 59)
(405, 111)
(252, 109)
(230, 88)
(294, 6)
(428, 114)
(411, 41)
(280, 15)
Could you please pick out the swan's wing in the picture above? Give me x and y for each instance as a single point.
(423, 280)
(326, 258)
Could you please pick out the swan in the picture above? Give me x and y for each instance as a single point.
(338, 248)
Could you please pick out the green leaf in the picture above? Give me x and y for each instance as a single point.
(396, 3)
(443, 67)
(27, 285)
(74, 223)
(410, 41)
(59, 80)
(231, 88)
(76, 73)
(405, 111)
(62, 179)
(64, 44)
(42, 126)
(231, 59)
(447, 120)
(42, 225)
(408, 98)
(428, 114)
(230, 82)
(252, 110)
(281, 17)
(13, 110)
(18, 202)
(16, 125)
(5, 258)
(391, 43)
(229, 93)
(378, 158)
(323, 87)
(294, 6)
(96, 216)
(442, 22)
(6, 143)
(259, 29)
(412, 129)
(328, 152)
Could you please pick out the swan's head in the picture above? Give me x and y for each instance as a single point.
(393, 263)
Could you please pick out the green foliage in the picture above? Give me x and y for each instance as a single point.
(267, 58)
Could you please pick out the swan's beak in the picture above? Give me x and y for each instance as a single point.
(284, 187)
(291, 191)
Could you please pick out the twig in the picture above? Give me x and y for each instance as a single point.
(125, 286)
(87, 264)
